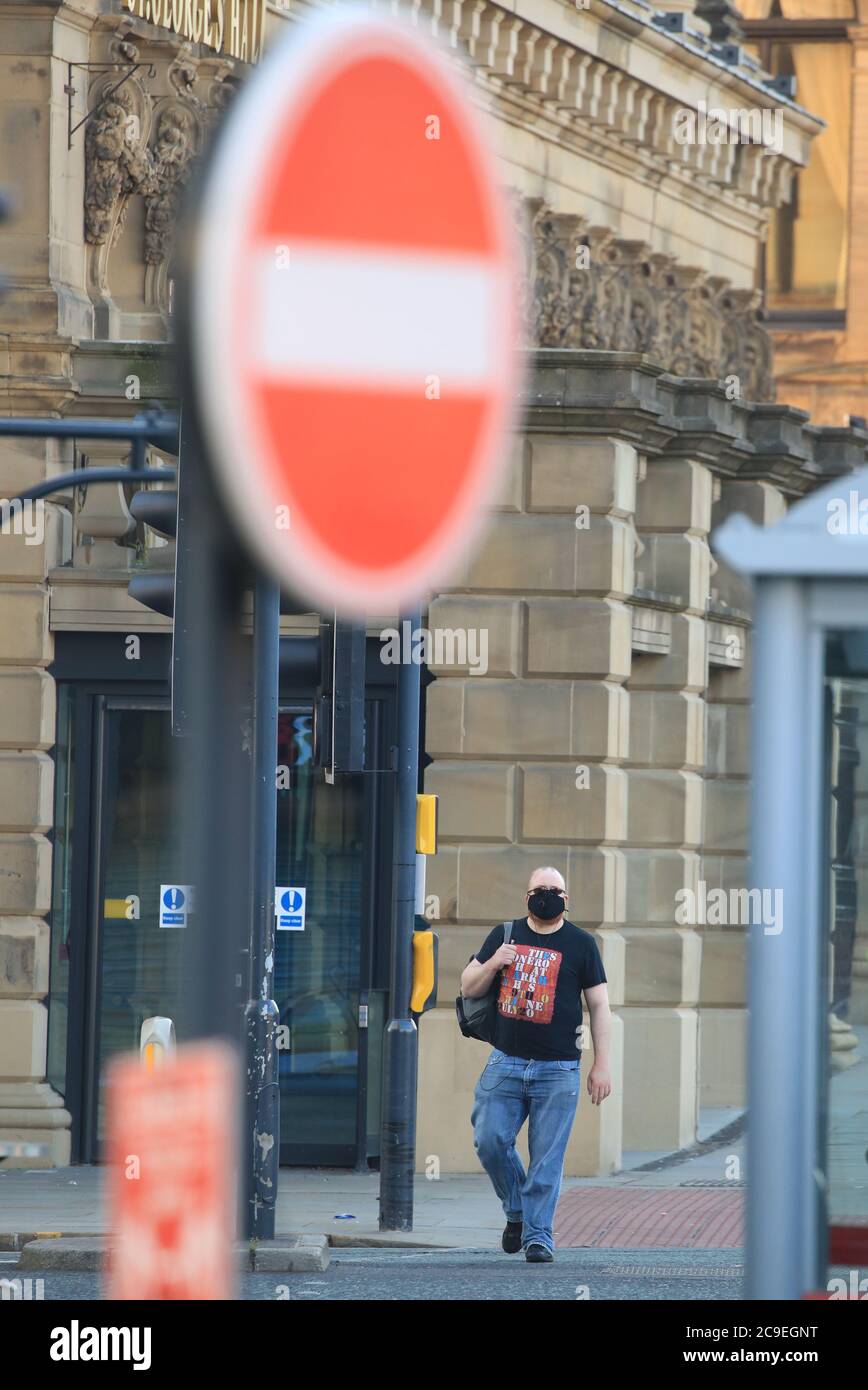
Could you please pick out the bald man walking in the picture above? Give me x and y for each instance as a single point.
(533, 1071)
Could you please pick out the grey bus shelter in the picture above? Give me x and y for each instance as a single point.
(810, 574)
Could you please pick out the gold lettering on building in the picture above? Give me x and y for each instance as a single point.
(239, 34)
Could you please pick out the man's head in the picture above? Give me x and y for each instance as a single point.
(546, 894)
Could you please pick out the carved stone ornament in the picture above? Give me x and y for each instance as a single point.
(117, 161)
(173, 149)
(588, 288)
(136, 145)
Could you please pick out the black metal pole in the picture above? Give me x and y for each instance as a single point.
(262, 1015)
(400, 1051)
(215, 794)
(211, 662)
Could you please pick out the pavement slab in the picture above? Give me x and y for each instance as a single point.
(454, 1211)
(681, 1218)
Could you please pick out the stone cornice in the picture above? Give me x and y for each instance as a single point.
(611, 71)
(632, 398)
(626, 395)
(609, 76)
(606, 77)
(744, 80)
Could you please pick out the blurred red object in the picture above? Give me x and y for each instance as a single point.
(848, 1245)
(171, 1155)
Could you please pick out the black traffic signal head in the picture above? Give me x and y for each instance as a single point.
(155, 591)
(158, 509)
(156, 588)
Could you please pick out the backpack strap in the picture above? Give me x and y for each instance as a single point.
(507, 933)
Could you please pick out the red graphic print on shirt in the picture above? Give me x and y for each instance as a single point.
(527, 989)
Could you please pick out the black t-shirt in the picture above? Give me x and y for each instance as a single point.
(539, 1011)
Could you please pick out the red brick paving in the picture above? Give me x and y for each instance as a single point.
(630, 1217)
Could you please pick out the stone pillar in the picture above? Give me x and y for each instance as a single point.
(528, 755)
(673, 518)
(31, 542)
(723, 985)
(44, 303)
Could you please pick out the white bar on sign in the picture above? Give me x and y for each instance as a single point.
(338, 312)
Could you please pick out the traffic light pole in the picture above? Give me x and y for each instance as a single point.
(400, 1051)
(262, 1135)
(216, 779)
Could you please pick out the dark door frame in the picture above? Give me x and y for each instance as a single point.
(95, 668)
(375, 899)
(91, 698)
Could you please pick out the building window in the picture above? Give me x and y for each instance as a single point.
(804, 264)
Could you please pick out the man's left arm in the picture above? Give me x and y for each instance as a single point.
(599, 1080)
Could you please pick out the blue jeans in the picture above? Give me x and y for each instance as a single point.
(510, 1091)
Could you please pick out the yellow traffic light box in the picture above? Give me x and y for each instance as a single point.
(426, 823)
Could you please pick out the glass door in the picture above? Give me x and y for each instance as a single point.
(325, 853)
(118, 923)
(137, 960)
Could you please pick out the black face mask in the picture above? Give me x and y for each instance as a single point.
(546, 904)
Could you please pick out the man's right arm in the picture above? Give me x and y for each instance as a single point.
(478, 975)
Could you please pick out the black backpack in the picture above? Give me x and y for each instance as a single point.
(477, 1017)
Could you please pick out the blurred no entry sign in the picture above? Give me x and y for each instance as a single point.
(352, 323)
(171, 1153)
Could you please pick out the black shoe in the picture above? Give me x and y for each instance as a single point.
(511, 1238)
(538, 1255)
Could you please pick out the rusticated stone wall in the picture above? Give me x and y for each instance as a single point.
(608, 736)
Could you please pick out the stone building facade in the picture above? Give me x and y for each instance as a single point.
(609, 734)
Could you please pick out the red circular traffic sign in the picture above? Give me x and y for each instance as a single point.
(353, 326)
